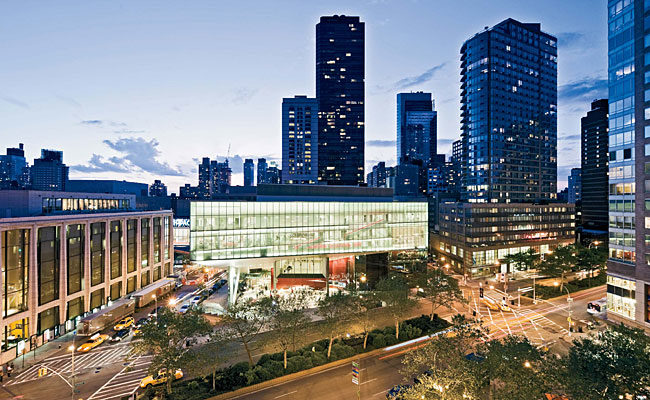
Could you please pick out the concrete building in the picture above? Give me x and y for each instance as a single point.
(58, 268)
(14, 170)
(300, 140)
(594, 165)
(474, 238)
(49, 172)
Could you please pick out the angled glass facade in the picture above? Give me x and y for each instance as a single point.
(236, 230)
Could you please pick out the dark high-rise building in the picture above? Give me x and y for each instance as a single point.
(594, 166)
(508, 117)
(158, 189)
(204, 189)
(49, 172)
(249, 172)
(14, 171)
(575, 185)
(262, 166)
(300, 140)
(377, 177)
(214, 177)
(416, 128)
(273, 174)
(340, 53)
(628, 270)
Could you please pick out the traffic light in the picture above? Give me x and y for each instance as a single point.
(480, 292)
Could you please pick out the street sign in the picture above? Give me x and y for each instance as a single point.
(525, 290)
(355, 380)
(355, 372)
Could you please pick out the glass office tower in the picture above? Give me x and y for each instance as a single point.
(416, 127)
(509, 121)
(340, 93)
(627, 268)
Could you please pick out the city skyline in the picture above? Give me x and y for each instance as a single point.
(121, 120)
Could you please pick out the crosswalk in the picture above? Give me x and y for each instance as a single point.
(125, 382)
(63, 364)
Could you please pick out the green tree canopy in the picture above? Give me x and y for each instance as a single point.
(393, 290)
(439, 288)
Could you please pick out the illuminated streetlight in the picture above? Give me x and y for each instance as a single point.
(527, 364)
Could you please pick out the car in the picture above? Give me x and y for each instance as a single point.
(91, 343)
(184, 308)
(161, 378)
(119, 335)
(196, 300)
(141, 322)
(155, 311)
(396, 390)
(125, 323)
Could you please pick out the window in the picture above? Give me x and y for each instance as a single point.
(15, 270)
(97, 299)
(97, 250)
(48, 264)
(116, 291)
(75, 308)
(75, 236)
(647, 149)
(144, 241)
(131, 284)
(144, 279)
(116, 249)
(131, 232)
(48, 319)
(15, 333)
(157, 230)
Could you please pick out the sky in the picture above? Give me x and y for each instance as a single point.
(141, 90)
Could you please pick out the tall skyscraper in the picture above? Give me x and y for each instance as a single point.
(262, 166)
(594, 143)
(249, 172)
(214, 177)
(416, 128)
(205, 179)
(628, 275)
(340, 54)
(377, 177)
(575, 186)
(508, 117)
(14, 171)
(300, 140)
(49, 172)
(273, 173)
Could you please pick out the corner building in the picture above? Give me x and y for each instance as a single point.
(56, 269)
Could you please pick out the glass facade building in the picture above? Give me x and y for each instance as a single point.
(416, 127)
(340, 90)
(509, 114)
(238, 230)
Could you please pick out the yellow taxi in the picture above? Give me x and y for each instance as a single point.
(161, 378)
(91, 343)
(124, 324)
(491, 304)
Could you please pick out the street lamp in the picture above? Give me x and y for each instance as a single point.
(569, 301)
(527, 364)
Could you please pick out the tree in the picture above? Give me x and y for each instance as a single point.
(394, 291)
(336, 310)
(514, 369)
(288, 321)
(207, 358)
(169, 338)
(558, 263)
(609, 364)
(440, 289)
(442, 368)
(523, 260)
(591, 259)
(243, 322)
(362, 304)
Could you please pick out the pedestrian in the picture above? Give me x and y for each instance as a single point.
(10, 369)
(1, 376)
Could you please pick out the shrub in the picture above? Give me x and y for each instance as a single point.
(409, 332)
(193, 385)
(378, 340)
(298, 363)
(340, 350)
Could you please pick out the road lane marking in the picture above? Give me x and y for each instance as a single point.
(368, 381)
(286, 394)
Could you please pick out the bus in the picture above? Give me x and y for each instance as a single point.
(597, 306)
(156, 290)
(106, 317)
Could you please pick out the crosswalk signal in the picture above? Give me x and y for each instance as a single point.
(42, 372)
(480, 292)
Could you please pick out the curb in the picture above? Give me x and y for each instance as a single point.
(288, 378)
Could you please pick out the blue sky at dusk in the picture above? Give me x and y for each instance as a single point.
(139, 90)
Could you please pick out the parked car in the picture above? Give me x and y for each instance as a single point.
(119, 335)
(196, 300)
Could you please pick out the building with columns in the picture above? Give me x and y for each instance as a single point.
(56, 269)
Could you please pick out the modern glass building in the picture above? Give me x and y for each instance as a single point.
(249, 172)
(309, 243)
(416, 127)
(300, 140)
(628, 293)
(594, 165)
(57, 269)
(509, 114)
(340, 75)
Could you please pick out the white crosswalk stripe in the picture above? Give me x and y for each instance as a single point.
(125, 382)
(63, 364)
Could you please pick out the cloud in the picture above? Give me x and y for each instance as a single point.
(236, 162)
(569, 137)
(15, 102)
(98, 164)
(445, 141)
(69, 100)
(569, 39)
(583, 90)
(92, 122)
(129, 131)
(243, 95)
(136, 154)
(381, 143)
(411, 81)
